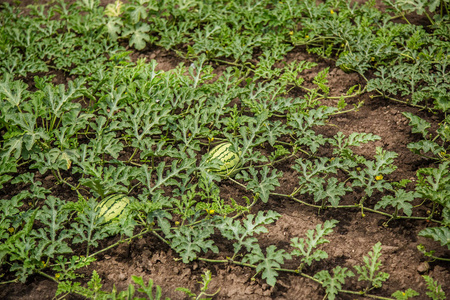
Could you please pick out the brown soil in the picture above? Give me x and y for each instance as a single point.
(352, 239)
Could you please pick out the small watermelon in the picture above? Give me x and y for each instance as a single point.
(229, 160)
(112, 207)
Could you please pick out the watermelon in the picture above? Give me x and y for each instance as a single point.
(112, 207)
(229, 160)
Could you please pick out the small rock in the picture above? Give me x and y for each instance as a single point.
(112, 277)
(122, 277)
(147, 253)
(389, 249)
(423, 267)
(194, 266)
(249, 290)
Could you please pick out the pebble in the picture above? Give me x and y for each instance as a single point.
(389, 249)
(423, 267)
(122, 277)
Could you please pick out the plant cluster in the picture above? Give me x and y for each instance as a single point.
(122, 126)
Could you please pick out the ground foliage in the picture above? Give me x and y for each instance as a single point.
(121, 125)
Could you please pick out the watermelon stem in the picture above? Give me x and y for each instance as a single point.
(121, 241)
(160, 237)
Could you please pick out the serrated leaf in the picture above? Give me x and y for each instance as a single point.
(139, 36)
(267, 263)
(261, 184)
(401, 201)
(189, 241)
(321, 80)
(409, 293)
(87, 227)
(52, 239)
(333, 284)
(147, 289)
(15, 91)
(370, 271)
(418, 125)
(114, 27)
(435, 291)
(242, 233)
(424, 146)
(114, 9)
(433, 182)
(439, 234)
(369, 178)
(315, 238)
(332, 191)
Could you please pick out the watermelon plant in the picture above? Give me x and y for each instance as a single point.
(202, 157)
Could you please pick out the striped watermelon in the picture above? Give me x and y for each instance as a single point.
(229, 159)
(112, 207)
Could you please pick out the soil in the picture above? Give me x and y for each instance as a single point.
(352, 239)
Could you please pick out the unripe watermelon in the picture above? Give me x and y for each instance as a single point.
(112, 207)
(229, 160)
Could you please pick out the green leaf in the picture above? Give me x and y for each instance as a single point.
(370, 271)
(180, 169)
(105, 181)
(143, 120)
(53, 237)
(342, 143)
(7, 165)
(139, 36)
(21, 249)
(321, 80)
(333, 284)
(14, 91)
(435, 291)
(439, 234)
(424, 146)
(315, 238)
(87, 227)
(267, 263)
(243, 233)
(147, 289)
(136, 13)
(418, 125)
(333, 190)
(433, 183)
(371, 177)
(189, 241)
(401, 200)
(303, 122)
(409, 293)
(261, 184)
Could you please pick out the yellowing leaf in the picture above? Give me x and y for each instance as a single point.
(114, 10)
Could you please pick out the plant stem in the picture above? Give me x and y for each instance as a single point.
(15, 280)
(47, 276)
(120, 242)
(296, 271)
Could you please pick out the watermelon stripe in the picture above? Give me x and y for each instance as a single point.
(228, 158)
(112, 207)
